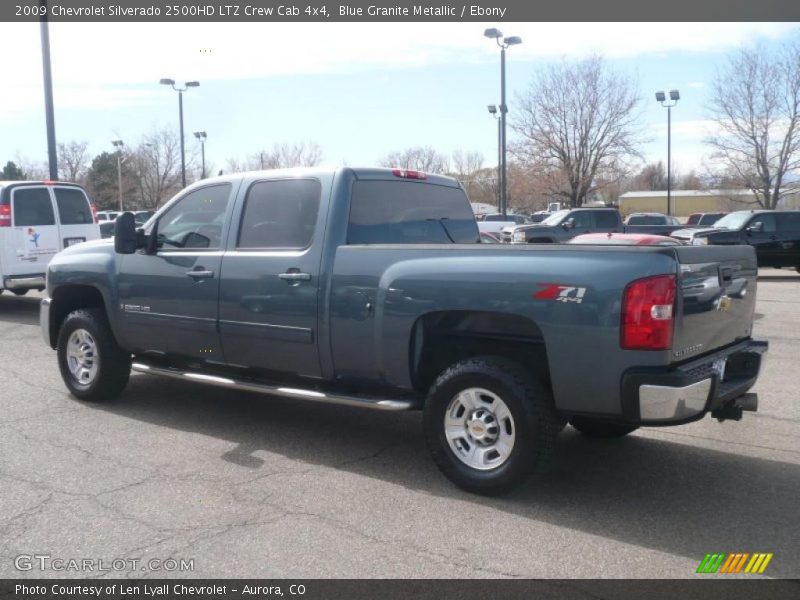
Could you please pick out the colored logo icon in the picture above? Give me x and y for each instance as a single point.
(738, 562)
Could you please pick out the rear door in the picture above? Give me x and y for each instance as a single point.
(765, 239)
(271, 278)
(75, 216)
(789, 238)
(33, 237)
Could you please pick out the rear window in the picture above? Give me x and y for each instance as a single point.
(73, 207)
(789, 221)
(708, 219)
(606, 219)
(280, 214)
(32, 206)
(646, 220)
(405, 212)
(694, 219)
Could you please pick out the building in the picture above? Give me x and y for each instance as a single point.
(686, 202)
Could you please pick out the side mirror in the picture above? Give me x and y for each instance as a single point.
(569, 223)
(755, 227)
(126, 239)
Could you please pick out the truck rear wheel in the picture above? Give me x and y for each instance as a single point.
(489, 425)
(601, 429)
(92, 364)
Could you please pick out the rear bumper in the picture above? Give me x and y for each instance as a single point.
(652, 396)
(24, 282)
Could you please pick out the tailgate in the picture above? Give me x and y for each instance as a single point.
(717, 298)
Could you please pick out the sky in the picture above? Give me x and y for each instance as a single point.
(360, 90)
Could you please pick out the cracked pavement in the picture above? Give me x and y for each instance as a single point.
(250, 486)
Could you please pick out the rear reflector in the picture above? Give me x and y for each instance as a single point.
(406, 174)
(648, 313)
(5, 215)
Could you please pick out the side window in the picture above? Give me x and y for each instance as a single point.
(606, 219)
(583, 219)
(280, 214)
(767, 221)
(789, 221)
(33, 206)
(73, 207)
(195, 221)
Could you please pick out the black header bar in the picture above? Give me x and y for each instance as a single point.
(277, 11)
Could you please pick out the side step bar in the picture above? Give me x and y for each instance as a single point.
(275, 390)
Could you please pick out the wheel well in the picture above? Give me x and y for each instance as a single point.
(68, 298)
(443, 338)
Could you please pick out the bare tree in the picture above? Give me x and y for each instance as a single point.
(578, 119)
(33, 170)
(755, 103)
(419, 158)
(73, 160)
(157, 166)
(281, 156)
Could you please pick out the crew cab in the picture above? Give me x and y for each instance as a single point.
(38, 219)
(775, 235)
(370, 288)
(566, 224)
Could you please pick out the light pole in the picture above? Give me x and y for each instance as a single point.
(674, 96)
(47, 75)
(493, 111)
(201, 137)
(496, 34)
(187, 85)
(118, 144)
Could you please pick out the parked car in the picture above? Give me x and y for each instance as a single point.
(37, 220)
(651, 219)
(704, 219)
(624, 239)
(367, 287)
(141, 216)
(494, 223)
(775, 235)
(107, 215)
(107, 229)
(565, 224)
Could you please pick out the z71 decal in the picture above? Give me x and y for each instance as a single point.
(560, 293)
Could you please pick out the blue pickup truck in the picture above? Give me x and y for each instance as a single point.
(369, 287)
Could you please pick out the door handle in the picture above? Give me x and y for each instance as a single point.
(294, 276)
(200, 273)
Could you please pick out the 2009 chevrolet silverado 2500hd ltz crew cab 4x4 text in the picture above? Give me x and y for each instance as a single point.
(369, 287)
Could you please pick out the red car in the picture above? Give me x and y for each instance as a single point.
(624, 239)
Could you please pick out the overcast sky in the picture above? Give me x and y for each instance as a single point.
(359, 90)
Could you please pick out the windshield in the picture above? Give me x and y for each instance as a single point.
(555, 218)
(734, 220)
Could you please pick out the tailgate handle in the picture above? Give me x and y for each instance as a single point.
(726, 274)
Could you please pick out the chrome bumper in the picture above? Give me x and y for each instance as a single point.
(25, 283)
(664, 403)
(44, 320)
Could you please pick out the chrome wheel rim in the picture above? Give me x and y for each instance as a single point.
(82, 358)
(479, 429)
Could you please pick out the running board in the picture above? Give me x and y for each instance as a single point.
(277, 390)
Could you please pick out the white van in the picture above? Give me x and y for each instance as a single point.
(37, 220)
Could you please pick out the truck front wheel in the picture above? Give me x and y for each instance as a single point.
(601, 429)
(92, 364)
(490, 425)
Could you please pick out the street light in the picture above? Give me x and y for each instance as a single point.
(118, 144)
(493, 111)
(661, 97)
(503, 43)
(186, 86)
(201, 137)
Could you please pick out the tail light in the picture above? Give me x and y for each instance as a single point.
(94, 212)
(5, 215)
(407, 174)
(648, 307)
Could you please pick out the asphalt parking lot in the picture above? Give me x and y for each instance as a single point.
(249, 486)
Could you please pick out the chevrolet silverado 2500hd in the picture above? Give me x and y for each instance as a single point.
(368, 287)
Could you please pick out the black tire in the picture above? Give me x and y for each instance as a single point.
(19, 292)
(113, 363)
(535, 421)
(601, 429)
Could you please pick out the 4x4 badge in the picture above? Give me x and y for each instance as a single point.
(560, 293)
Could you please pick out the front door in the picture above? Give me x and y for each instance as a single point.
(789, 238)
(270, 284)
(168, 300)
